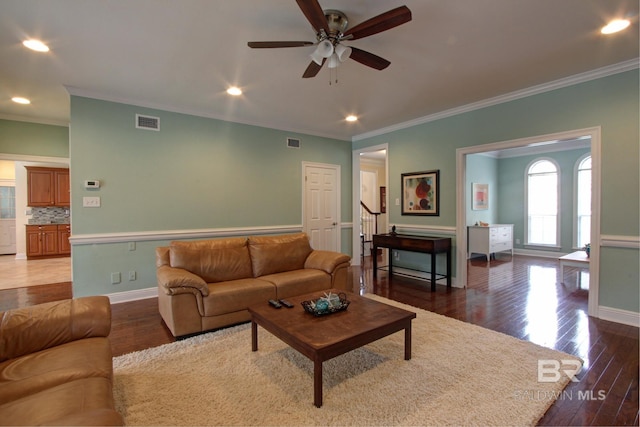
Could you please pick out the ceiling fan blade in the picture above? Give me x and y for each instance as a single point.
(266, 45)
(314, 14)
(313, 69)
(380, 23)
(368, 59)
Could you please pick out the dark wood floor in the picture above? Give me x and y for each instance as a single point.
(519, 296)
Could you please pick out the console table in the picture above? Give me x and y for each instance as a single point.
(410, 243)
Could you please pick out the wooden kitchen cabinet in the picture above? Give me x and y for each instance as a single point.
(48, 241)
(62, 188)
(64, 232)
(48, 187)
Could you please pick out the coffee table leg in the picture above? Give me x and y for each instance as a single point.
(407, 342)
(254, 336)
(317, 383)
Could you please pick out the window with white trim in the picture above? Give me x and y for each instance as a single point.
(583, 202)
(542, 203)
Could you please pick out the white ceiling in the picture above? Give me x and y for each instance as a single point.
(182, 56)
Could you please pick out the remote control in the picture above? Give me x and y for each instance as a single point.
(275, 303)
(286, 303)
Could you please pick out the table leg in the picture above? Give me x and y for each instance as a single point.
(407, 342)
(433, 272)
(449, 268)
(254, 336)
(375, 262)
(390, 261)
(561, 272)
(317, 383)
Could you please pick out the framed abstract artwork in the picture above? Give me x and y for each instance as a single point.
(480, 196)
(421, 193)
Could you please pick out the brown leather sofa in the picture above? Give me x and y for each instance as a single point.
(55, 364)
(209, 284)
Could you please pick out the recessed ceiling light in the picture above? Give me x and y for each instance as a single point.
(36, 45)
(235, 91)
(20, 100)
(615, 26)
(351, 118)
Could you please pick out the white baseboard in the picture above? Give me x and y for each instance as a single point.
(21, 255)
(625, 317)
(134, 295)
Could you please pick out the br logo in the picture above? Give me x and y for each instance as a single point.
(551, 370)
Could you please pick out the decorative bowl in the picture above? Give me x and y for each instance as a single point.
(326, 305)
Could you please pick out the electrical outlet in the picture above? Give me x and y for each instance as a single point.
(132, 276)
(132, 246)
(517, 241)
(115, 278)
(396, 255)
(397, 202)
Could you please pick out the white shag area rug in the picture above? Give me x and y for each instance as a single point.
(459, 374)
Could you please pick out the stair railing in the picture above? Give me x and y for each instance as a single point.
(368, 226)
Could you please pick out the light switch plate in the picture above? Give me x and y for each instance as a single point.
(91, 202)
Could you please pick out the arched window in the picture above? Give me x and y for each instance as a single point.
(583, 202)
(542, 203)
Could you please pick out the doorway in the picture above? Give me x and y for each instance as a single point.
(371, 159)
(11, 274)
(462, 199)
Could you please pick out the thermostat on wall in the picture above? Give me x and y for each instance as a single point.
(92, 184)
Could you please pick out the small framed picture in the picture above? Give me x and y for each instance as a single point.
(421, 193)
(480, 196)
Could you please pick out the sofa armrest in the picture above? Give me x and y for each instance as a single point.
(174, 281)
(31, 329)
(326, 260)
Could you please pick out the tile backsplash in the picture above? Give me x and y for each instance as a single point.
(49, 216)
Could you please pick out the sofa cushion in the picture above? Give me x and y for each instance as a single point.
(275, 254)
(299, 282)
(215, 260)
(87, 401)
(53, 366)
(237, 295)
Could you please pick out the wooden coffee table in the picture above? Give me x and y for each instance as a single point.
(325, 337)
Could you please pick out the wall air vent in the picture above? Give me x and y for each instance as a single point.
(293, 143)
(147, 122)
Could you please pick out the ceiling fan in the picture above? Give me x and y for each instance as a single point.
(331, 30)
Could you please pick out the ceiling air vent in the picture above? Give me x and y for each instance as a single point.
(293, 143)
(147, 122)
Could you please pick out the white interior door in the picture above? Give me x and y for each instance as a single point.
(321, 205)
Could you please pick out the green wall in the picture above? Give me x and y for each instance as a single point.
(482, 169)
(610, 102)
(195, 173)
(33, 139)
(511, 177)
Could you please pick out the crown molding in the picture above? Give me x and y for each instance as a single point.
(36, 120)
(598, 73)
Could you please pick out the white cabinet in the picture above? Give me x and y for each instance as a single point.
(490, 239)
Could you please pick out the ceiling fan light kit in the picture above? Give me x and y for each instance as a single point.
(331, 27)
(324, 50)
